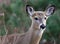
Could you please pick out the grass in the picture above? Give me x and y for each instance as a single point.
(16, 17)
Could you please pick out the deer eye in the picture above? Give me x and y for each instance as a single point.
(45, 18)
(36, 18)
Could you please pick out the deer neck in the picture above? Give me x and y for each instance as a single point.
(35, 32)
(32, 32)
(34, 26)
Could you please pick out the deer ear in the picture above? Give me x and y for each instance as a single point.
(29, 10)
(50, 10)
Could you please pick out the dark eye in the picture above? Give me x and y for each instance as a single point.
(45, 18)
(36, 18)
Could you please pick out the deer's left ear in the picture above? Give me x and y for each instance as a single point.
(50, 10)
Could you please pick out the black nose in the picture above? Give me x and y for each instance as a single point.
(42, 26)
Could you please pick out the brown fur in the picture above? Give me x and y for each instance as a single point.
(32, 36)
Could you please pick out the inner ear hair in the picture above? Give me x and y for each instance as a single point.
(54, 7)
(27, 7)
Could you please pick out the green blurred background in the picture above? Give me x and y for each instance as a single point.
(16, 20)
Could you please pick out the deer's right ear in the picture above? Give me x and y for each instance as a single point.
(50, 10)
(29, 10)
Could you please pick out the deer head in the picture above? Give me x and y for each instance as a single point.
(40, 17)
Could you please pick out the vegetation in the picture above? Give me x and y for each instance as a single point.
(15, 18)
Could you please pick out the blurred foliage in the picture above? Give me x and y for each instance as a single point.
(17, 18)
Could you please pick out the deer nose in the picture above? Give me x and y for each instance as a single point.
(42, 26)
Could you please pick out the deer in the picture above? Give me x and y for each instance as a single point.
(36, 30)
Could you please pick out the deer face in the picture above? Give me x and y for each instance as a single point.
(40, 17)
